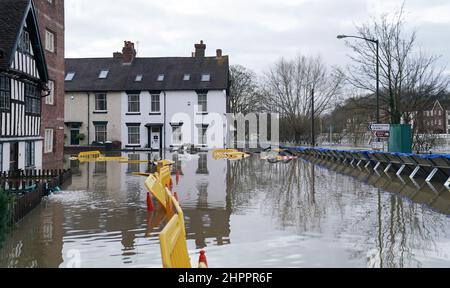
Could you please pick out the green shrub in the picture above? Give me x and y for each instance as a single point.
(5, 226)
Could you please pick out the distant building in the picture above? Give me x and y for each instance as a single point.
(23, 79)
(134, 100)
(434, 118)
(50, 15)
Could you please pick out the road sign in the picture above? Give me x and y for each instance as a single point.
(382, 134)
(378, 146)
(380, 127)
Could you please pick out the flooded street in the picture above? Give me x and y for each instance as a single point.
(247, 213)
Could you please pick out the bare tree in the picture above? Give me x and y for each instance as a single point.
(287, 91)
(408, 78)
(243, 90)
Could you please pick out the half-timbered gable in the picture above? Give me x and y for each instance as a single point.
(23, 78)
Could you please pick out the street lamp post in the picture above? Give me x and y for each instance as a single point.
(377, 43)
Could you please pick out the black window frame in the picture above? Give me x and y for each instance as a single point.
(30, 154)
(24, 45)
(138, 102)
(32, 100)
(5, 93)
(158, 103)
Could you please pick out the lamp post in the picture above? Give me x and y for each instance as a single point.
(377, 43)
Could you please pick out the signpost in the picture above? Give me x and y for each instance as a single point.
(381, 132)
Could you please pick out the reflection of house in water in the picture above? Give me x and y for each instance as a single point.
(203, 198)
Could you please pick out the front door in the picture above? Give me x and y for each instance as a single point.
(155, 138)
(14, 156)
(74, 139)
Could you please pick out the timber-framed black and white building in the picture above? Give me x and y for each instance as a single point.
(23, 78)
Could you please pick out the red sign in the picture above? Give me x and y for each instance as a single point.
(382, 134)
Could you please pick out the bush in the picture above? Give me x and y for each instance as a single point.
(5, 200)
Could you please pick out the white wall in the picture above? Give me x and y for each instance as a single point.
(177, 102)
(5, 156)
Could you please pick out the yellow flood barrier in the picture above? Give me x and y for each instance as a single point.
(89, 154)
(230, 154)
(165, 177)
(174, 252)
(156, 188)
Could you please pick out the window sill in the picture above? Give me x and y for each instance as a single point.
(133, 146)
(202, 113)
(155, 114)
(133, 114)
(100, 112)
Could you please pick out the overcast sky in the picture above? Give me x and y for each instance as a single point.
(255, 33)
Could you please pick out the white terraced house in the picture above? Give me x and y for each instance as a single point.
(23, 78)
(135, 101)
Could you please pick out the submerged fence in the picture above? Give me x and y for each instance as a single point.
(28, 187)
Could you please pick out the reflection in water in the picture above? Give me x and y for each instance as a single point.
(246, 213)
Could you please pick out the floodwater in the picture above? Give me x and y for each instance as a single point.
(248, 213)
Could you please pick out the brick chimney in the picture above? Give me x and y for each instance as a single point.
(128, 52)
(117, 55)
(200, 50)
(219, 53)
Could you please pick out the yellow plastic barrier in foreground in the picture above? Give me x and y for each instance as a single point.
(156, 188)
(172, 239)
(166, 178)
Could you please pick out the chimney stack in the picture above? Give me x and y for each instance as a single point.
(200, 50)
(219, 53)
(117, 55)
(128, 52)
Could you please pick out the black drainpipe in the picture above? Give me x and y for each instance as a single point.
(89, 119)
(165, 121)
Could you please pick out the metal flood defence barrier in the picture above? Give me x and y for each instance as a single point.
(432, 167)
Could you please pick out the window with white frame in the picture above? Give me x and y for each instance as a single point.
(161, 77)
(156, 103)
(48, 141)
(202, 102)
(30, 154)
(134, 103)
(101, 132)
(187, 77)
(49, 41)
(5, 93)
(134, 135)
(100, 102)
(50, 99)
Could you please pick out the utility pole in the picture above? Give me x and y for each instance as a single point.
(313, 132)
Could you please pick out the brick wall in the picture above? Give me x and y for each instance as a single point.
(51, 18)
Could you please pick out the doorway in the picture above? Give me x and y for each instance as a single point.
(74, 137)
(155, 138)
(14, 156)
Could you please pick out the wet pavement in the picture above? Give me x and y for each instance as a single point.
(248, 213)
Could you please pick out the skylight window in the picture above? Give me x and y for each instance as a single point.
(206, 77)
(103, 74)
(187, 77)
(139, 78)
(69, 76)
(161, 77)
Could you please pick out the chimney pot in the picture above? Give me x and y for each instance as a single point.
(219, 53)
(200, 50)
(128, 52)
